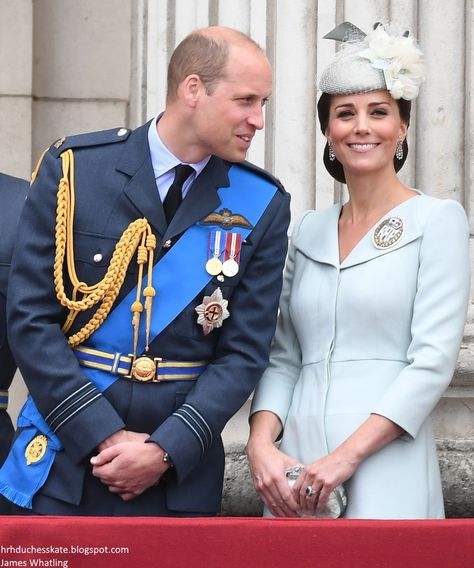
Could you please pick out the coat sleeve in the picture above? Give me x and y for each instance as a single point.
(241, 352)
(439, 315)
(13, 192)
(275, 390)
(65, 397)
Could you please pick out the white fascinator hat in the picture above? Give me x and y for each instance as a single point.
(379, 60)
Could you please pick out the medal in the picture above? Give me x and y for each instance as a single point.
(214, 265)
(213, 311)
(36, 449)
(388, 233)
(231, 265)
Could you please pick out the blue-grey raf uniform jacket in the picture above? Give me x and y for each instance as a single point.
(115, 185)
(12, 194)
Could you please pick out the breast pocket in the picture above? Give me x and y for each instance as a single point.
(93, 255)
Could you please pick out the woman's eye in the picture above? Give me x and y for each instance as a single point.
(380, 112)
(344, 114)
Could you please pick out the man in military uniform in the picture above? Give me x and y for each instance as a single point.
(135, 362)
(12, 193)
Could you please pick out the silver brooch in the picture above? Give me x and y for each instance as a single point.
(213, 311)
(388, 232)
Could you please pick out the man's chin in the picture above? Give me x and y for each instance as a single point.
(233, 157)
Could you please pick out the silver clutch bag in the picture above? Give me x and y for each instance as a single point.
(335, 505)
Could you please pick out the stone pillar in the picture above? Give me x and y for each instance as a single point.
(15, 86)
(81, 74)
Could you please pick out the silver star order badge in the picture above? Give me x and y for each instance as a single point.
(213, 311)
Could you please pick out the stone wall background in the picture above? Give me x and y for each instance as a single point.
(70, 66)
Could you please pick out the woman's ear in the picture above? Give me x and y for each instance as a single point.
(403, 131)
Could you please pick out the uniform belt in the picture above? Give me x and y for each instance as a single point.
(118, 364)
(3, 399)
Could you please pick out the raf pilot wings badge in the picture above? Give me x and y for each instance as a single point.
(226, 220)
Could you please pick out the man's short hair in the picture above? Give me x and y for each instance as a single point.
(205, 55)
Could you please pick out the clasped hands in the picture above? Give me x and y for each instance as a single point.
(268, 466)
(127, 465)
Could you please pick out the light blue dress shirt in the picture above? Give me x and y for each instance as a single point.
(164, 162)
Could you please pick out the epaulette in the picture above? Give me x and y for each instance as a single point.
(97, 138)
(261, 172)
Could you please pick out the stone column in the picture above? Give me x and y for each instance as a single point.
(15, 86)
(81, 74)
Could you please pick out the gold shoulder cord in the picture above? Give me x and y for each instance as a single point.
(138, 235)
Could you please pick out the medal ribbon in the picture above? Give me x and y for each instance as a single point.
(215, 249)
(214, 264)
(232, 247)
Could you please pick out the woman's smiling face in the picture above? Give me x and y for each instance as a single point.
(364, 130)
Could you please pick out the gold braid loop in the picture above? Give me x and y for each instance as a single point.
(106, 290)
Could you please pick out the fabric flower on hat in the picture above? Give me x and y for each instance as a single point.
(400, 60)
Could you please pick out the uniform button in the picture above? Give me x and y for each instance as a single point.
(122, 132)
(167, 244)
(97, 257)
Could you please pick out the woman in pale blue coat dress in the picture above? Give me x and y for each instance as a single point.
(372, 311)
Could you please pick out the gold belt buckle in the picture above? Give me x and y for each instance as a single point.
(144, 369)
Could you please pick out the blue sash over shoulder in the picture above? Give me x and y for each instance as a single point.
(178, 277)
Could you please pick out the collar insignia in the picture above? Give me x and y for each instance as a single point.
(59, 143)
(226, 220)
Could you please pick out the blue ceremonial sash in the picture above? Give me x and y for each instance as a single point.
(181, 273)
(177, 277)
(18, 480)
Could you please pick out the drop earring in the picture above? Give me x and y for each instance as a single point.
(399, 150)
(332, 155)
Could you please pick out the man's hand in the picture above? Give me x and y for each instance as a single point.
(122, 436)
(129, 468)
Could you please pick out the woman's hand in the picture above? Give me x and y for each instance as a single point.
(268, 466)
(322, 476)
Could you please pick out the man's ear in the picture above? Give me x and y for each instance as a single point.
(191, 89)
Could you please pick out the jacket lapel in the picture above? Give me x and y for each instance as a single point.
(202, 197)
(141, 189)
(366, 250)
(142, 192)
(318, 236)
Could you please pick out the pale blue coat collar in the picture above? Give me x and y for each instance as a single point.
(318, 235)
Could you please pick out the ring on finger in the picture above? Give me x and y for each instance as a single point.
(309, 491)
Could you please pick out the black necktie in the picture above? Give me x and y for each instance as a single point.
(174, 196)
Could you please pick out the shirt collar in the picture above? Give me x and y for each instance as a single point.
(161, 158)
